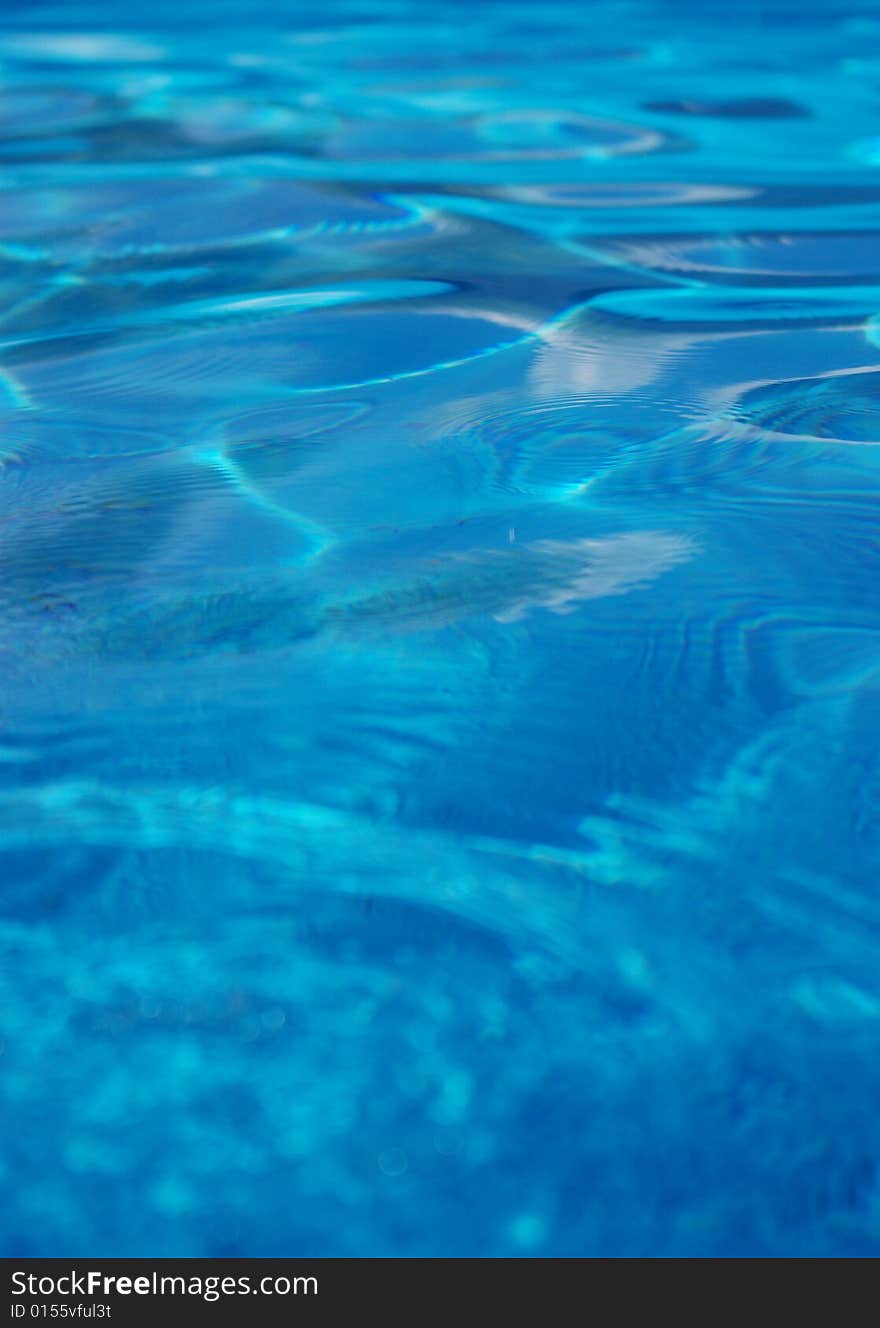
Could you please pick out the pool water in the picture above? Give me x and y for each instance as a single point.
(440, 628)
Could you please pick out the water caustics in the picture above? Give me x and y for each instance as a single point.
(439, 628)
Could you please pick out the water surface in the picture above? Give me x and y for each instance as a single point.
(439, 575)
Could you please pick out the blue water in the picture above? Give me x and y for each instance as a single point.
(440, 628)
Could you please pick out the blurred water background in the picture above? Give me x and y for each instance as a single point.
(439, 636)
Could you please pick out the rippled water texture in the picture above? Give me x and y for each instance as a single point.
(439, 589)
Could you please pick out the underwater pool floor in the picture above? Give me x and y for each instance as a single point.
(440, 628)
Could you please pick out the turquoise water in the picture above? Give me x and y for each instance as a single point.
(439, 774)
